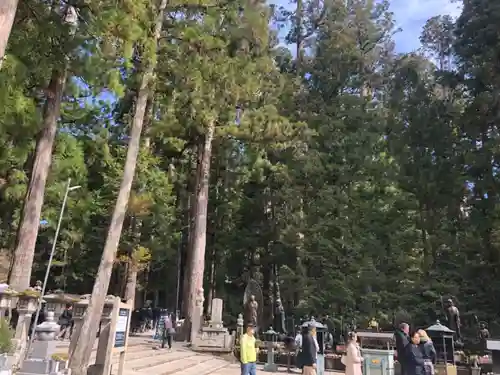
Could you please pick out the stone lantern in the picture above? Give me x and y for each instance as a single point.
(47, 330)
(27, 303)
(39, 359)
(108, 307)
(6, 296)
(271, 337)
(57, 301)
(80, 308)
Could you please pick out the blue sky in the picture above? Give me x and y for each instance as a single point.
(411, 16)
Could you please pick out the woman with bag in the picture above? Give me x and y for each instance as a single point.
(428, 352)
(352, 359)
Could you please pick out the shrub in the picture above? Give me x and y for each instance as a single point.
(6, 335)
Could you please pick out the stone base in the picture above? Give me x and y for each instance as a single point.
(31, 366)
(213, 340)
(271, 367)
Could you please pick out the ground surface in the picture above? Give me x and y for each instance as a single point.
(144, 358)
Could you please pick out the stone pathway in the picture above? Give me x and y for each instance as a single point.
(143, 358)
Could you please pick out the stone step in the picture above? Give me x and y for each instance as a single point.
(138, 353)
(172, 365)
(157, 358)
(204, 367)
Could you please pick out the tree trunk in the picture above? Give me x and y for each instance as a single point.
(131, 285)
(8, 10)
(193, 185)
(133, 269)
(22, 263)
(200, 235)
(79, 359)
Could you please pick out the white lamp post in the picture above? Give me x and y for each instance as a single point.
(49, 265)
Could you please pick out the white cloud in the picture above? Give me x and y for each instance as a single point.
(411, 15)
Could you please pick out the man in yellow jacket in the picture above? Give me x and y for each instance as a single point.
(248, 352)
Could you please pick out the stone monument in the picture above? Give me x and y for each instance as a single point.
(453, 318)
(279, 317)
(251, 311)
(214, 337)
(253, 304)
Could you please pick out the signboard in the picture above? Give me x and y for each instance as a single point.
(121, 328)
(160, 328)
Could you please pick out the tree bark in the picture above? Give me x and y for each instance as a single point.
(200, 234)
(193, 185)
(79, 358)
(8, 10)
(131, 284)
(22, 263)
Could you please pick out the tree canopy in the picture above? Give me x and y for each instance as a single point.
(344, 177)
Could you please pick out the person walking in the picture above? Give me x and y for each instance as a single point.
(414, 356)
(309, 352)
(66, 322)
(428, 352)
(402, 342)
(248, 352)
(353, 359)
(168, 331)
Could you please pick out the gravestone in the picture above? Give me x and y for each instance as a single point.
(216, 318)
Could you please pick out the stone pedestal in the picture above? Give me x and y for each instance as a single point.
(214, 337)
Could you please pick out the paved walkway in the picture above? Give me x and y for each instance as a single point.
(144, 358)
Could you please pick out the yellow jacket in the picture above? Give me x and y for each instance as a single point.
(248, 351)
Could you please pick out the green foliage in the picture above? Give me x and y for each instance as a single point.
(6, 336)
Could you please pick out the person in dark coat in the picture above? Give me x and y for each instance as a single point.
(308, 353)
(402, 342)
(414, 357)
(428, 352)
(66, 322)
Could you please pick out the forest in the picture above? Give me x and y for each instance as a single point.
(346, 178)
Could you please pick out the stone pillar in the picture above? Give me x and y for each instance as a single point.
(216, 316)
(270, 366)
(101, 362)
(197, 315)
(26, 306)
(79, 310)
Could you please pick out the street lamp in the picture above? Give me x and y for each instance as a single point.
(47, 271)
